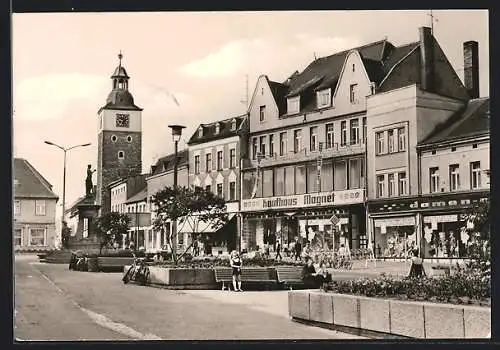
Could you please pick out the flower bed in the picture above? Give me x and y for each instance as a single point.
(459, 288)
(210, 263)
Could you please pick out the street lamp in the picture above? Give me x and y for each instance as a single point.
(64, 172)
(176, 136)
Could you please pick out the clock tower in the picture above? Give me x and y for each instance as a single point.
(119, 139)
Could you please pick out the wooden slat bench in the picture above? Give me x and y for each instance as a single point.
(290, 276)
(113, 263)
(252, 275)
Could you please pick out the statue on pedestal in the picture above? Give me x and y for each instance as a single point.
(88, 182)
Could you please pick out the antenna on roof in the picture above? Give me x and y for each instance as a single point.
(246, 101)
(431, 15)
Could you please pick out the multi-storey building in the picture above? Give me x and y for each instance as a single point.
(215, 151)
(420, 148)
(161, 176)
(34, 208)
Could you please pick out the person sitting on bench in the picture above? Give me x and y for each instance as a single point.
(309, 275)
(323, 276)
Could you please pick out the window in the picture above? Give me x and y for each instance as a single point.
(254, 148)
(271, 145)
(18, 237)
(200, 131)
(401, 139)
(208, 188)
(329, 135)
(267, 183)
(219, 190)
(355, 173)
(343, 133)
(289, 180)
(434, 179)
(40, 207)
(232, 191)
(327, 176)
(403, 191)
(232, 158)
(17, 207)
(197, 164)
(354, 131)
(208, 162)
(217, 128)
(114, 138)
(313, 138)
(262, 113)
(390, 141)
(297, 138)
(37, 236)
(475, 175)
(312, 178)
(300, 179)
(219, 160)
(353, 67)
(380, 142)
(380, 186)
(263, 145)
(340, 175)
(121, 155)
(392, 185)
(354, 93)
(233, 125)
(454, 177)
(283, 150)
(324, 98)
(129, 139)
(364, 130)
(293, 105)
(279, 181)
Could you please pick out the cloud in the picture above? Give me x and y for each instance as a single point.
(49, 96)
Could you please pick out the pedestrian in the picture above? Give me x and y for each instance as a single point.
(417, 266)
(278, 250)
(298, 249)
(236, 273)
(196, 247)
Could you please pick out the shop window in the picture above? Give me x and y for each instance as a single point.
(443, 237)
(380, 186)
(327, 176)
(395, 238)
(267, 183)
(454, 177)
(289, 180)
(37, 237)
(340, 181)
(434, 179)
(312, 178)
(300, 179)
(403, 191)
(279, 181)
(392, 185)
(475, 175)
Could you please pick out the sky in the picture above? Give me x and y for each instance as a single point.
(62, 65)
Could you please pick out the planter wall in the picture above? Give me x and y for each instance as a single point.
(182, 277)
(113, 263)
(402, 318)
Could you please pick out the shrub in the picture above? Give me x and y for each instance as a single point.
(119, 253)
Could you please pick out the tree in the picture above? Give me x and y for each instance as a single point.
(109, 227)
(477, 223)
(188, 206)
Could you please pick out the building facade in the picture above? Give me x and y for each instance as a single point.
(215, 151)
(34, 209)
(415, 166)
(161, 176)
(119, 139)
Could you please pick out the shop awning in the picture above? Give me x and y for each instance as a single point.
(395, 222)
(189, 226)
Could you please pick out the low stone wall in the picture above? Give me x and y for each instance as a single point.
(181, 277)
(113, 263)
(402, 318)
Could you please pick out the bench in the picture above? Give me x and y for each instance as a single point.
(113, 263)
(252, 275)
(289, 276)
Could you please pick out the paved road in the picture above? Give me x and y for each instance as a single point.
(53, 303)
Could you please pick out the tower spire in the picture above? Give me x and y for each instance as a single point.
(433, 19)
(120, 56)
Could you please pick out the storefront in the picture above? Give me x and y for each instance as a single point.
(436, 226)
(323, 220)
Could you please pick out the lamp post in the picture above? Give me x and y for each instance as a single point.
(176, 136)
(64, 172)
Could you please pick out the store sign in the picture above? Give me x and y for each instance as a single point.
(395, 222)
(440, 218)
(321, 199)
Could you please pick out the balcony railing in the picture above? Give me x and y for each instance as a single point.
(305, 155)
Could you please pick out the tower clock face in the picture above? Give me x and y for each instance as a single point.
(122, 120)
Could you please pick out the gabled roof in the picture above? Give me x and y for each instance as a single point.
(225, 131)
(166, 163)
(138, 197)
(29, 183)
(472, 121)
(279, 92)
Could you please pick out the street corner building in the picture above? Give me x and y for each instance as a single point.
(34, 209)
(380, 147)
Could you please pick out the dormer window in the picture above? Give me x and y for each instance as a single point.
(200, 131)
(233, 125)
(324, 98)
(217, 128)
(293, 105)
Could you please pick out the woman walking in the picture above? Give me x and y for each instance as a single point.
(236, 265)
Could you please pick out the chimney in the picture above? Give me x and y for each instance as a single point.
(471, 68)
(426, 59)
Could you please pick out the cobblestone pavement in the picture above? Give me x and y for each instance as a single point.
(53, 303)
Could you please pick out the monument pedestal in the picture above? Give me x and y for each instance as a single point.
(85, 237)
